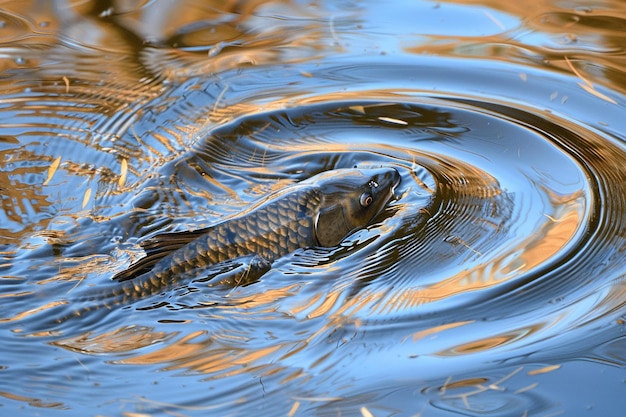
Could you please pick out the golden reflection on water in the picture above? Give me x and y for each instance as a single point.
(584, 32)
(33, 401)
(437, 329)
(22, 315)
(24, 199)
(323, 302)
(491, 342)
(123, 339)
(553, 236)
(237, 36)
(223, 354)
(265, 300)
(95, 105)
(561, 226)
(202, 353)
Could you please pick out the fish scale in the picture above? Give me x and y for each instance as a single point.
(230, 240)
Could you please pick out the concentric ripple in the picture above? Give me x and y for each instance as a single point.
(505, 215)
(493, 285)
(488, 251)
(490, 202)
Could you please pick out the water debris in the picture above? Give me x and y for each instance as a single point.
(294, 408)
(544, 370)
(67, 84)
(319, 399)
(578, 74)
(86, 197)
(219, 98)
(392, 120)
(123, 173)
(438, 329)
(552, 219)
(555, 95)
(81, 279)
(456, 240)
(444, 387)
(587, 85)
(596, 93)
(366, 413)
(53, 168)
(478, 387)
(496, 21)
(527, 388)
(331, 26)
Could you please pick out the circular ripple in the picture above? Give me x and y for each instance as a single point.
(489, 201)
(504, 217)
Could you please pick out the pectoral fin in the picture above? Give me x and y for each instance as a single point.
(236, 272)
(169, 242)
(242, 271)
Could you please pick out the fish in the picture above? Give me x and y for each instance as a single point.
(318, 212)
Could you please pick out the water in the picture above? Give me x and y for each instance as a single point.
(493, 286)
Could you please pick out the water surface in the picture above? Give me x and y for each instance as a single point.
(494, 285)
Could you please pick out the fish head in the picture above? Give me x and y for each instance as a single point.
(351, 198)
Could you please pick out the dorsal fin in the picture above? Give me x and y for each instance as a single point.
(157, 248)
(169, 242)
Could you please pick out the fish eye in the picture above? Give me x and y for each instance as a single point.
(366, 199)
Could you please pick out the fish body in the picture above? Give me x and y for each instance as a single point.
(318, 212)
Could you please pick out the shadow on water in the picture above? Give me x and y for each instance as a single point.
(492, 286)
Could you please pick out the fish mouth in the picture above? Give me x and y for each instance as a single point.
(385, 183)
